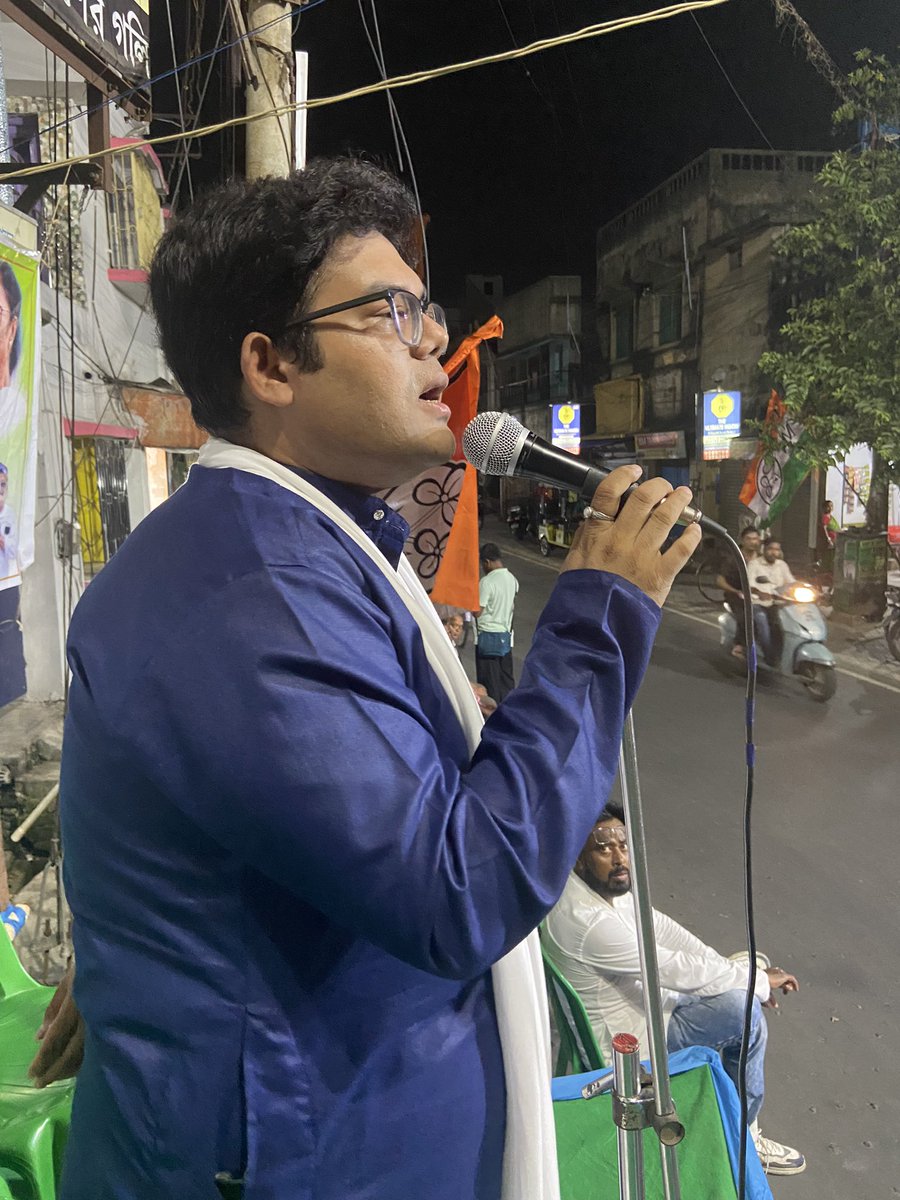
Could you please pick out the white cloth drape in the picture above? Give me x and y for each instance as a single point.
(529, 1160)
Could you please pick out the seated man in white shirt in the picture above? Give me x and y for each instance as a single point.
(591, 935)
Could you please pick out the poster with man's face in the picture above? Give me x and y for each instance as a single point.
(19, 374)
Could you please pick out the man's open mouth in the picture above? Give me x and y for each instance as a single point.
(433, 395)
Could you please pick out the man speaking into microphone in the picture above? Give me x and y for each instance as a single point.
(303, 889)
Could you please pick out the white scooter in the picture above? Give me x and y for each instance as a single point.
(801, 630)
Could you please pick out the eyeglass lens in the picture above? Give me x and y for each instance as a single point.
(605, 839)
(407, 312)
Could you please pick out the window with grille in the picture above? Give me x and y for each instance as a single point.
(670, 317)
(133, 214)
(623, 331)
(102, 493)
(121, 217)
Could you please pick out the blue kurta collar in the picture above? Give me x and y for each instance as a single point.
(387, 529)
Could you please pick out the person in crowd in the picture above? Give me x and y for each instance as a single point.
(729, 581)
(769, 576)
(453, 621)
(304, 875)
(497, 599)
(830, 523)
(591, 935)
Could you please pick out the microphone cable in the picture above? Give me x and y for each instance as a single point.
(498, 444)
(750, 752)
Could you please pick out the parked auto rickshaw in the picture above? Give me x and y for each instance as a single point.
(559, 514)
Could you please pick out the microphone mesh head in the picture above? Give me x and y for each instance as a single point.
(491, 442)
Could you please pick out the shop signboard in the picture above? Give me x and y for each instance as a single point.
(566, 427)
(721, 423)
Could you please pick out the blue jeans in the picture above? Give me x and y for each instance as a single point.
(716, 1021)
(763, 631)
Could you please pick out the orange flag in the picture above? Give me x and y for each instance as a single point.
(441, 506)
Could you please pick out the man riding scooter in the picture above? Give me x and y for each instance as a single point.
(789, 626)
(770, 576)
(730, 582)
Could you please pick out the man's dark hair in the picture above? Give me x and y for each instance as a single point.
(747, 529)
(246, 257)
(611, 811)
(14, 303)
(490, 552)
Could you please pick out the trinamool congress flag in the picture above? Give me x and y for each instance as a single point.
(774, 477)
(441, 506)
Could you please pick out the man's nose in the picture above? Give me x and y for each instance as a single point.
(434, 339)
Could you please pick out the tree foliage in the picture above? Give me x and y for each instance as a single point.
(838, 359)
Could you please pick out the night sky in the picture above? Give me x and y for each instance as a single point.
(518, 164)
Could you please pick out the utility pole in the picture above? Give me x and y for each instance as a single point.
(270, 148)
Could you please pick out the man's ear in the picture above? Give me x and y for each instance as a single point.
(263, 368)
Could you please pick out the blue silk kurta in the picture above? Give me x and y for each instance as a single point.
(289, 882)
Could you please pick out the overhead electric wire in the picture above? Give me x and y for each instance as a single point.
(109, 376)
(515, 42)
(175, 70)
(728, 80)
(412, 79)
(378, 55)
(574, 90)
(178, 96)
(184, 163)
(819, 59)
(399, 133)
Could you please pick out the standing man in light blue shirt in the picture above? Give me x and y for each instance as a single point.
(497, 598)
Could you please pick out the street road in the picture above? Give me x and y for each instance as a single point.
(827, 883)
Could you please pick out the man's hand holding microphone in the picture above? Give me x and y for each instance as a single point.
(628, 541)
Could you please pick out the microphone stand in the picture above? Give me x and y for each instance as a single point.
(634, 1106)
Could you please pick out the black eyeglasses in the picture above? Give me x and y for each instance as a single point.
(407, 313)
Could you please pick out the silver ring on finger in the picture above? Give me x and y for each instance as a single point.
(596, 515)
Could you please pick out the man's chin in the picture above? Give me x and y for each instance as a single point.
(436, 448)
(619, 886)
(444, 442)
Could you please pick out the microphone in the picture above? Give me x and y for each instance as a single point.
(497, 444)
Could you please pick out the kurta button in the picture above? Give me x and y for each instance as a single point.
(378, 514)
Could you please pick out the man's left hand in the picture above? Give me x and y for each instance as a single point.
(779, 979)
(61, 1036)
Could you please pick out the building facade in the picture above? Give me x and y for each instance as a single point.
(114, 436)
(689, 295)
(538, 362)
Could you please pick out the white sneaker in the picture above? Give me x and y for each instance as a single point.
(775, 1158)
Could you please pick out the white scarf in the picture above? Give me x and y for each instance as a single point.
(529, 1158)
